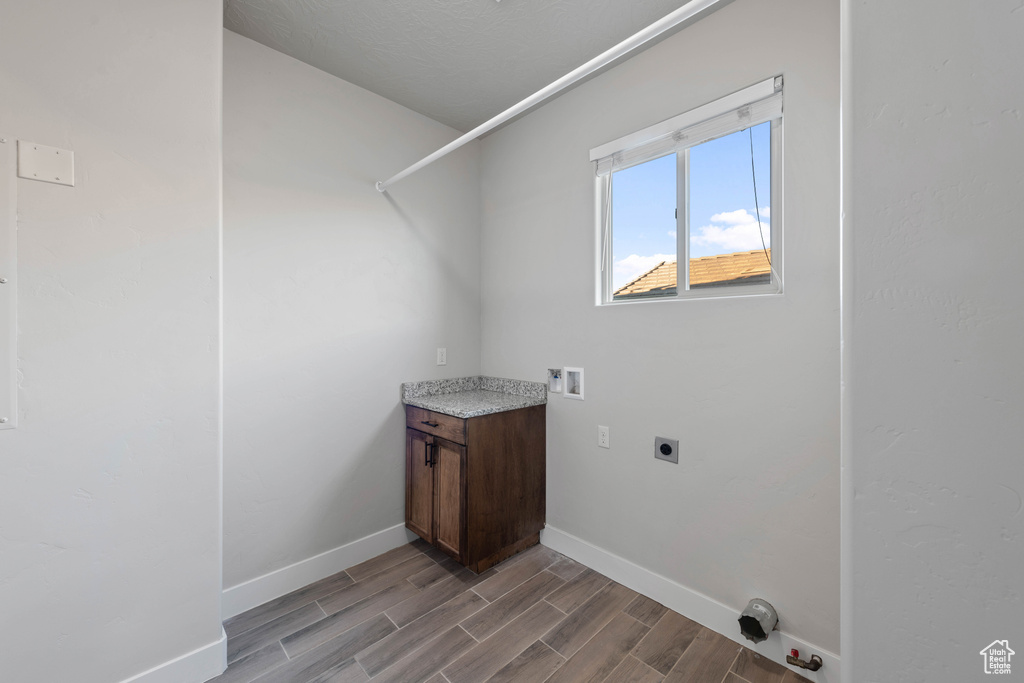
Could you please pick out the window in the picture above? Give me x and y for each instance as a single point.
(691, 207)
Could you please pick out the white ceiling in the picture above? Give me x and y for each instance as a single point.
(459, 62)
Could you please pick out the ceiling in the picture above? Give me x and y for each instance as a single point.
(459, 62)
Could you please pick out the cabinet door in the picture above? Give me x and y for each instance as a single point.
(450, 497)
(419, 484)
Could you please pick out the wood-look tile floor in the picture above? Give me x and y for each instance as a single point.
(412, 615)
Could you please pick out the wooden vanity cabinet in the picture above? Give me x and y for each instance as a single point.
(435, 490)
(475, 487)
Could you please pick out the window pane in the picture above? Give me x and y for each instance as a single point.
(730, 232)
(644, 230)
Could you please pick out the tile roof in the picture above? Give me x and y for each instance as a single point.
(743, 267)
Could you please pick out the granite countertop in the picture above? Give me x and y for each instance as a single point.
(473, 396)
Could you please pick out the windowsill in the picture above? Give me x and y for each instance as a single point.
(697, 295)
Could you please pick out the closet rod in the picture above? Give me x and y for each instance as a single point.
(688, 13)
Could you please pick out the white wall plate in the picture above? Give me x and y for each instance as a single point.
(572, 380)
(49, 164)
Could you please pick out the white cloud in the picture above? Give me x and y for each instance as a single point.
(733, 231)
(736, 217)
(672, 234)
(634, 265)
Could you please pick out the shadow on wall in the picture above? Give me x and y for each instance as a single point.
(436, 250)
(378, 459)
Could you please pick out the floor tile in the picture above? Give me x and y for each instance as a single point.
(272, 631)
(328, 628)
(399, 644)
(268, 611)
(429, 659)
(792, 677)
(484, 660)
(429, 599)
(604, 652)
(578, 590)
(511, 605)
(353, 641)
(375, 565)
(246, 668)
(580, 626)
(306, 668)
(510, 578)
(754, 668)
(667, 641)
(708, 659)
(355, 592)
(433, 552)
(645, 610)
(533, 552)
(413, 616)
(565, 568)
(439, 572)
(535, 663)
(632, 670)
(346, 672)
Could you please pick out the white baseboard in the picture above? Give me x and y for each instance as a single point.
(691, 604)
(249, 594)
(199, 665)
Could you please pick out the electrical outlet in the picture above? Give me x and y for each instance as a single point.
(666, 449)
(602, 436)
(442, 356)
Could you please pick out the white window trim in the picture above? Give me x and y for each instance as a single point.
(678, 134)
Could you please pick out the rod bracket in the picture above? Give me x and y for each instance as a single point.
(380, 186)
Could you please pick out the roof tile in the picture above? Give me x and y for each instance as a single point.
(743, 267)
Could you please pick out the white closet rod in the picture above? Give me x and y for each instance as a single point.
(691, 11)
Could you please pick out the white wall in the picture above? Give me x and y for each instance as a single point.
(749, 386)
(334, 296)
(935, 371)
(110, 487)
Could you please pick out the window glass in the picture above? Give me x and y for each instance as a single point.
(644, 220)
(730, 232)
(727, 190)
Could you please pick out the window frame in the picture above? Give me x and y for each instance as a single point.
(677, 127)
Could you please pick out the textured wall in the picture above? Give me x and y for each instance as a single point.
(334, 295)
(110, 486)
(935, 370)
(750, 386)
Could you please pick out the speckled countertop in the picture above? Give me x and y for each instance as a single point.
(473, 396)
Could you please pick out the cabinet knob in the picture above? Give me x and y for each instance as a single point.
(429, 423)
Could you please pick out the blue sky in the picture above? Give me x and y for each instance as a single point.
(722, 215)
